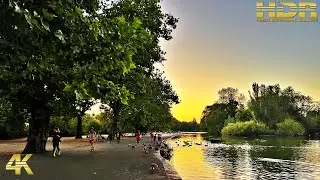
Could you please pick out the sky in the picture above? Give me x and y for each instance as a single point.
(218, 44)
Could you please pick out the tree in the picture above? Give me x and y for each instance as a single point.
(244, 115)
(49, 46)
(150, 107)
(155, 22)
(272, 105)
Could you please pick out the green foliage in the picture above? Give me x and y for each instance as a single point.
(96, 124)
(150, 106)
(230, 120)
(247, 128)
(10, 120)
(244, 115)
(290, 127)
(270, 105)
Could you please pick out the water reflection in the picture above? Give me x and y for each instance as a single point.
(267, 158)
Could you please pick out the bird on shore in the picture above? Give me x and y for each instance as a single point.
(153, 168)
(150, 147)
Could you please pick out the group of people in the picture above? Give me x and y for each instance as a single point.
(154, 135)
(92, 135)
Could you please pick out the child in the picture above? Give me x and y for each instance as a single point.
(56, 139)
(92, 136)
(138, 137)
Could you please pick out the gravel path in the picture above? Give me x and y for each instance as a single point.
(108, 161)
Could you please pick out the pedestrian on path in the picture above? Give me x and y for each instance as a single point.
(56, 139)
(92, 137)
(138, 137)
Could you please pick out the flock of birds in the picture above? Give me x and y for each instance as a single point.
(188, 143)
(165, 151)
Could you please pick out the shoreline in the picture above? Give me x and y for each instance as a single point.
(170, 171)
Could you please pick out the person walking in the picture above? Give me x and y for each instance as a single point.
(138, 137)
(92, 137)
(118, 135)
(56, 139)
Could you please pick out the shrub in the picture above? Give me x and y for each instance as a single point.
(290, 127)
(247, 128)
(229, 120)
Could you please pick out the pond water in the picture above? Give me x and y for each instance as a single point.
(266, 158)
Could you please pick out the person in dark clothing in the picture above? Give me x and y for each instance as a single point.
(56, 139)
(118, 136)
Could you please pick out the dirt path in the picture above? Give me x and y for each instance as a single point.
(108, 161)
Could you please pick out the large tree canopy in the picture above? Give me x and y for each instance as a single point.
(50, 46)
(274, 110)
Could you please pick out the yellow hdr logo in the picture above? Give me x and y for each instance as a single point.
(16, 164)
(286, 11)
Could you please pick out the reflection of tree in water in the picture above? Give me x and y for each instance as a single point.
(280, 162)
(225, 158)
(270, 158)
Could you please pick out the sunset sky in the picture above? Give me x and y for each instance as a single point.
(218, 43)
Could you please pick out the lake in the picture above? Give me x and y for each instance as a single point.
(240, 158)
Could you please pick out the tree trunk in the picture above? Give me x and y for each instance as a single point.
(79, 128)
(38, 131)
(116, 107)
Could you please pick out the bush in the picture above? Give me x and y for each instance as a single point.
(247, 128)
(290, 127)
(229, 120)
